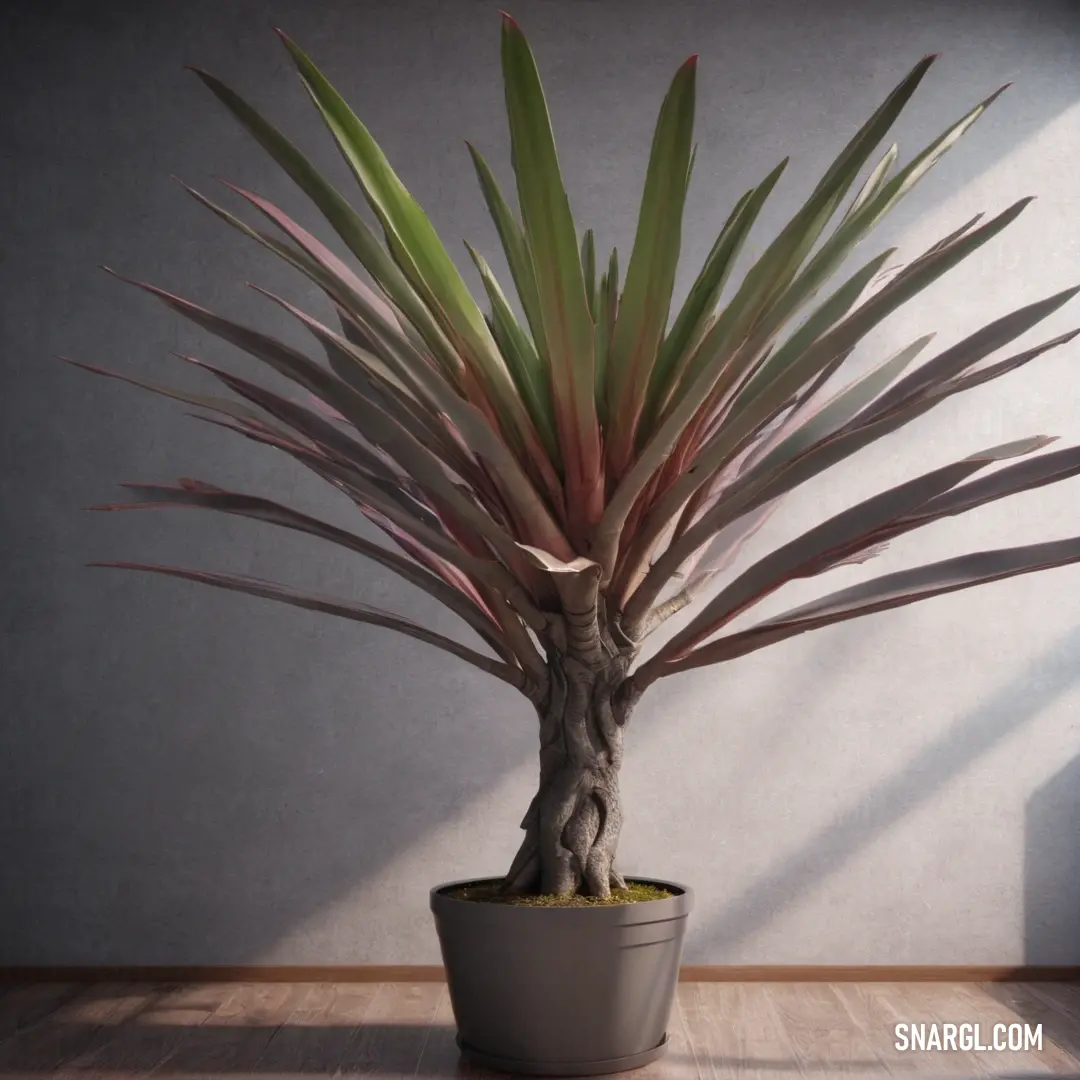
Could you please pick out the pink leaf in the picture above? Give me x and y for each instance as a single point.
(326, 410)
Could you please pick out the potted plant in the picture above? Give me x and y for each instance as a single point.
(568, 479)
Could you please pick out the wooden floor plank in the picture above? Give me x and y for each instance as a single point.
(703, 1034)
(873, 1017)
(821, 1034)
(1001, 1003)
(735, 1033)
(78, 1026)
(318, 1032)
(1060, 1029)
(948, 1003)
(718, 1031)
(1060, 997)
(440, 1058)
(231, 1040)
(687, 1001)
(876, 1009)
(680, 1062)
(390, 1043)
(21, 1006)
(143, 1041)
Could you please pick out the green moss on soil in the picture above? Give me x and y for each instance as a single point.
(486, 893)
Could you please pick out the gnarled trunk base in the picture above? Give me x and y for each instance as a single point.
(572, 825)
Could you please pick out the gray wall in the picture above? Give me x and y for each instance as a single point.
(195, 777)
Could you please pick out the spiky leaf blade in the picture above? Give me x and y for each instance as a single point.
(650, 273)
(564, 308)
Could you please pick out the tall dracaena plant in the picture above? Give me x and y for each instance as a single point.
(566, 481)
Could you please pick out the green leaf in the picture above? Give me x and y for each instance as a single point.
(883, 195)
(767, 278)
(650, 274)
(836, 343)
(874, 182)
(840, 536)
(340, 284)
(1023, 476)
(878, 594)
(315, 269)
(223, 406)
(839, 340)
(302, 370)
(417, 248)
(690, 324)
(772, 274)
(526, 368)
(816, 326)
(779, 378)
(371, 496)
(843, 406)
(878, 195)
(409, 233)
(762, 485)
(588, 269)
(972, 349)
(515, 246)
(552, 239)
(419, 463)
(607, 312)
(465, 604)
(345, 221)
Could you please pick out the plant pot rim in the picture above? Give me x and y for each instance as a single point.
(683, 898)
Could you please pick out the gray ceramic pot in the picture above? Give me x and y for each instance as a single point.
(562, 991)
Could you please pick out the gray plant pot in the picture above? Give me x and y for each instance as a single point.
(562, 991)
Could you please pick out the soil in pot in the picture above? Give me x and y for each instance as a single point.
(486, 892)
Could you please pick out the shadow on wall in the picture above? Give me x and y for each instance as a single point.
(1052, 870)
(1053, 861)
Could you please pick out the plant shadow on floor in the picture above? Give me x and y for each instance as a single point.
(377, 1050)
(141, 1045)
(199, 1031)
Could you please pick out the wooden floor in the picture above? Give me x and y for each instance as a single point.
(718, 1030)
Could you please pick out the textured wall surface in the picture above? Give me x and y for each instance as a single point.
(195, 777)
